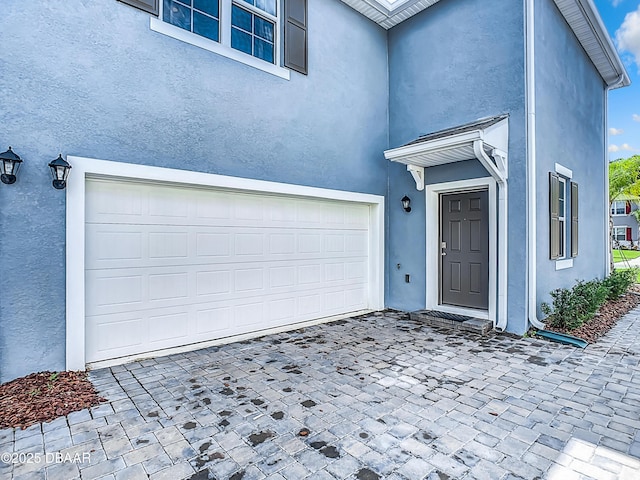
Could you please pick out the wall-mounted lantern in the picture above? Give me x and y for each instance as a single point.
(60, 171)
(406, 203)
(9, 166)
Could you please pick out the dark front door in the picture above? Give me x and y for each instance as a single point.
(464, 237)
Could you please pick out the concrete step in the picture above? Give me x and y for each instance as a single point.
(452, 321)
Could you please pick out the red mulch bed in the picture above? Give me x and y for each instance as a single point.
(606, 318)
(44, 396)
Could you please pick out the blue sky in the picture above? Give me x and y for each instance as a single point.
(622, 19)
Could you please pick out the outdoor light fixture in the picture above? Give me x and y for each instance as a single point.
(9, 166)
(60, 171)
(406, 203)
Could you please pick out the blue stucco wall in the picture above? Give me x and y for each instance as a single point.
(451, 64)
(91, 79)
(569, 131)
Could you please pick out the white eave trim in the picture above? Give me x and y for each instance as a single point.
(581, 15)
(586, 23)
(456, 147)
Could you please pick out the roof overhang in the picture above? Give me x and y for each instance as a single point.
(486, 139)
(581, 15)
(454, 144)
(584, 19)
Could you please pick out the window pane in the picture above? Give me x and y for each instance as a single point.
(268, 6)
(205, 26)
(241, 40)
(176, 14)
(263, 50)
(241, 18)
(561, 250)
(207, 6)
(262, 28)
(186, 2)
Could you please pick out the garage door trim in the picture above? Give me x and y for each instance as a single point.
(75, 232)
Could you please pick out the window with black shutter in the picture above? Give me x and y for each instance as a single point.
(295, 35)
(574, 219)
(554, 220)
(149, 6)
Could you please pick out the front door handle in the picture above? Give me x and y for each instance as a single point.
(443, 253)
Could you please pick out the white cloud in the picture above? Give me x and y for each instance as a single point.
(624, 146)
(616, 2)
(636, 117)
(615, 131)
(628, 35)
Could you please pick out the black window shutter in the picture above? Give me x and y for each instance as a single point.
(295, 35)
(574, 219)
(554, 221)
(149, 6)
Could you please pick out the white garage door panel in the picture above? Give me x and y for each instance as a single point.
(169, 265)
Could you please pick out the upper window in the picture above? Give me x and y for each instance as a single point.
(620, 207)
(254, 34)
(249, 26)
(201, 17)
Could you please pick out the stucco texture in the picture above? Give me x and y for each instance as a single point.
(456, 62)
(91, 79)
(569, 131)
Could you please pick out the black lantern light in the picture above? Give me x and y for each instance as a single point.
(9, 166)
(406, 203)
(60, 171)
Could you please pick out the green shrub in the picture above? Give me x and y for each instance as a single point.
(572, 307)
(619, 282)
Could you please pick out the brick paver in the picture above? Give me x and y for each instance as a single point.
(381, 397)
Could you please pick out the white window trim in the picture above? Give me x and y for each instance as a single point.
(224, 46)
(564, 171)
(75, 234)
(613, 205)
(562, 264)
(565, 174)
(562, 217)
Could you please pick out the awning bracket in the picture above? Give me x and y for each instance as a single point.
(418, 175)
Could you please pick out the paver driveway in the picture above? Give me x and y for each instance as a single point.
(382, 397)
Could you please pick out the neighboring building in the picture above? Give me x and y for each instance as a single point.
(238, 166)
(624, 230)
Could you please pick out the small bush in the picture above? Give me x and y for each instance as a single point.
(572, 307)
(619, 282)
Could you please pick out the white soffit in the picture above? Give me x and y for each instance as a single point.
(389, 13)
(454, 144)
(584, 19)
(581, 15)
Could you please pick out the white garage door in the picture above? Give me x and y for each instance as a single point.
(170, 265)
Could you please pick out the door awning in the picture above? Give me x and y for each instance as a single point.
(486, 139)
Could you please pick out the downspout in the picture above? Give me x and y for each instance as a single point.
(607, 234)
(501, 179)
(530, 120)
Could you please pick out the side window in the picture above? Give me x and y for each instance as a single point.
(563, 217)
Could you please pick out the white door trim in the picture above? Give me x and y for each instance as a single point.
(433, 248)
(75, 229)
